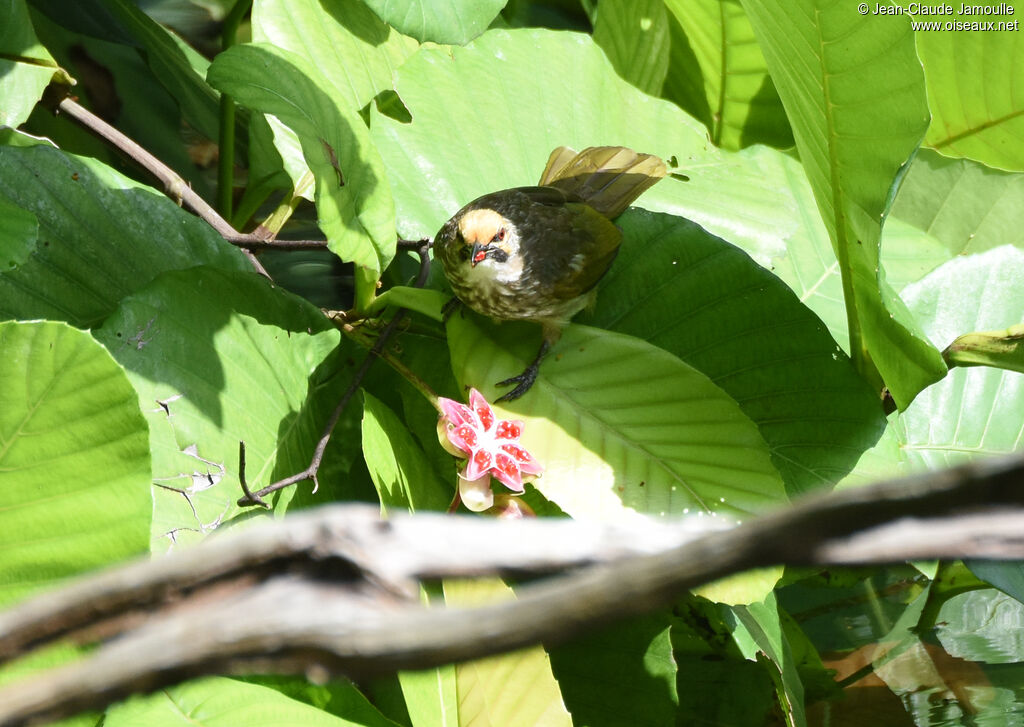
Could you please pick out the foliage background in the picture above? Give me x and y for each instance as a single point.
(846, 199)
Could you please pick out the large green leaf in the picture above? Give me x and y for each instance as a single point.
(26, 67)
(399, 468)
(219, 358)
(74, 458)
(975, 88)
(354, 50)
(634, 34)
(442, 21)
(101, 237)
(513, 690)
(19, 232)
(854, 93)
(220, 702)
(678, 287)
(973, 412)
(619, 424)
(763, 626)
(584, 104)
(353, 201)
(719, 74)
(949, 207)
(625, 674)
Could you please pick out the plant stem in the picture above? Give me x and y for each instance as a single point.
(226, 142)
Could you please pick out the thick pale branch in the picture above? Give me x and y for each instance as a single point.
(333, 591)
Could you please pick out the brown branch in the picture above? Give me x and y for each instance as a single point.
(178, 189)
(340, 584)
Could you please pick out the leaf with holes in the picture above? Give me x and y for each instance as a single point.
(233, 359)
(620, 425)
(74, 458)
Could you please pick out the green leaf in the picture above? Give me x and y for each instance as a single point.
(338, 697)
(584, 104)
(354, 50)
(431, 696)
(677, 287)
(354, 204)
(219, 358)
(975, 90)
(220, 702)
(621, 675)
(973, 412)
(634, 35)
(985, 625)
(515, 689)
(854, 92)
(763, 625)
(442, 21)
(718, 73)
(19, 233)
(949, 207)
(26, 67)
(74, 458)
(101, 237)
(619, 424)
(399, 468)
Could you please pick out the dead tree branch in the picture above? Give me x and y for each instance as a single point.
(334, 590)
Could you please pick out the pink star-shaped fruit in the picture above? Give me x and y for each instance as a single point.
(490, 445)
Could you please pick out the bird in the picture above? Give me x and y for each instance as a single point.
(537, 253)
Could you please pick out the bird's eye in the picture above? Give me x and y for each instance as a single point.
(499, 235)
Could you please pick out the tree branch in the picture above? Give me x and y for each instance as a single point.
(335, 589)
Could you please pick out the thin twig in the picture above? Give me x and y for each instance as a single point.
(310, 472)
(178, 189)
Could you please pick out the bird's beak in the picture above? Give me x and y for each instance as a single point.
(478, 253)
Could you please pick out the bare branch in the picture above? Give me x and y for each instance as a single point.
(338, 583)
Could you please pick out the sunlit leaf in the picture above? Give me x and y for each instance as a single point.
(442, 21)
(220, 702)
(219, 358)
(718, 73)
(975, 89)
(621, 425)
(515, 689)
(26, 67)
(74, 458)
(399, 468)
(844, 73)
(353, 202)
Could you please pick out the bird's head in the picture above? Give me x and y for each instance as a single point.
(487, 238)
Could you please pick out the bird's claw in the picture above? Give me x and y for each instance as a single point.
(449, 308)
(523, 381)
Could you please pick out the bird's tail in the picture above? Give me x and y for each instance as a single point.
(608, 178)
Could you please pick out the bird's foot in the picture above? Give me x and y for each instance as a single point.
(449, 308)
(523, 383)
